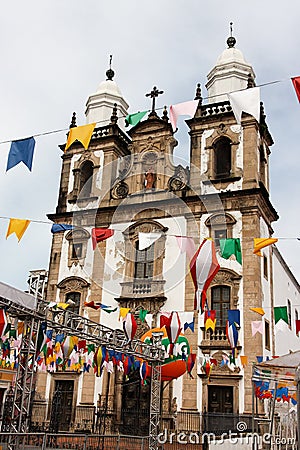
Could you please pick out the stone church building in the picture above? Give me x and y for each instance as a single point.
(127, 180)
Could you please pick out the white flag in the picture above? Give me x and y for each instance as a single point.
(147, 239)
(247, 100)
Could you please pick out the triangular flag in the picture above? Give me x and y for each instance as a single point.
(257, 327)
(62, 305)
(244, 360)
(17, 226)
(260, 243)
(82, 134)
(142, 314)
(247, 100)
(229, 247)
(21, 151)
(210, 319)
(296, 83)
(124, 312)
(187, 320)
(58, 227)
(260, 359)
(164, 319)
(280, 312)
(204, 266)
(100, 234)
(134, 119)
(234, 316)
(3, 321)
(92, 305)
(182, 109)
(186, 245)
(147, 239)
(258, 310)
(148, 320)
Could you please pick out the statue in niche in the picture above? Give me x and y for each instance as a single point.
(150, 179)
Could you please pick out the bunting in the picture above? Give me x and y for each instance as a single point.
(231, 248)
(21, 151)
(256, 327)
(248, 101)
(134, 119)
(3, 321)
(147, 239)
(210, 319)
(296, 84)
(58, 227)
(100, 234)
(203, 266)
(17, 226)
(258, 310)
(280, 313)
(186, 245)
(82, 134)
(182, 109)
(260, 243)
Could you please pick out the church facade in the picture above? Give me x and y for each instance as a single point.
(127, 181)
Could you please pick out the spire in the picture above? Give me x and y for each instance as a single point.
(110, 73)
(231, 41)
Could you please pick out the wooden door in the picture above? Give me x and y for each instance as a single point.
(62, 404)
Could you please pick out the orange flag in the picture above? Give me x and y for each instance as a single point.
(17, 226)
(260, 243)
(244, 360)
(260, 311)
(82, 134)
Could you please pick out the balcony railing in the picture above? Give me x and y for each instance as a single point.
(142, 287)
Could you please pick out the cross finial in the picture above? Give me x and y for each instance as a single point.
(153, 94)
(110, 73)
(231, 40)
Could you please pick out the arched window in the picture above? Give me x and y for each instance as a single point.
(220, 302)
(73, 298)
(222, 157)
(86, 179)
(144, 259)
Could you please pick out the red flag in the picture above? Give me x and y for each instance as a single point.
(129, 326)
(204, 266)
(92, 305)
(297, 326)
(164, 319)
(296, 83)
(100, 234)
(3, 321)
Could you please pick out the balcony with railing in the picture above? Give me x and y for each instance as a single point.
(215, 339)
(142, 287)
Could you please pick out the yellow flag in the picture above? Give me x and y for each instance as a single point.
(260, 243)
(210, 324)
(258, 310)
(82, 134)
(17, 226)
(244, 360)
(124, 312)
(63, 305)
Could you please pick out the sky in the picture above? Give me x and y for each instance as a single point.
(54, 54)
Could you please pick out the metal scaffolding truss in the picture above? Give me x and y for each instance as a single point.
(64, 321)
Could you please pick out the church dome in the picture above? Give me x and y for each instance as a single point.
(109, 87)
(230, 55)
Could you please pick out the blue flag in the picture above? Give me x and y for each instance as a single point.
(21, 151)
(234, 316)
(57, 227)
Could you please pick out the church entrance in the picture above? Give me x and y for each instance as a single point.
(61, 410)
(135, 406)
(219, 418)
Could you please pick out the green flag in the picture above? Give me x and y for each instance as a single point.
(280, 312)
(229, 247)
(134, 119)
(142, 314)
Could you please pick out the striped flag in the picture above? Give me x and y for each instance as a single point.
(129, 326)
(204, 266)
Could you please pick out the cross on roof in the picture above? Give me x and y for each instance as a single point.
(153, 94)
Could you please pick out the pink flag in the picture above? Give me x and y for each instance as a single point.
(204, 266)
(186, 245)
(182, 109)
(257, 327)
(173, 328)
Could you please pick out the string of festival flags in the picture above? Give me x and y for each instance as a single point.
(245, 100)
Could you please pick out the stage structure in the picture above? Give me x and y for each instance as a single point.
(33, 312)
